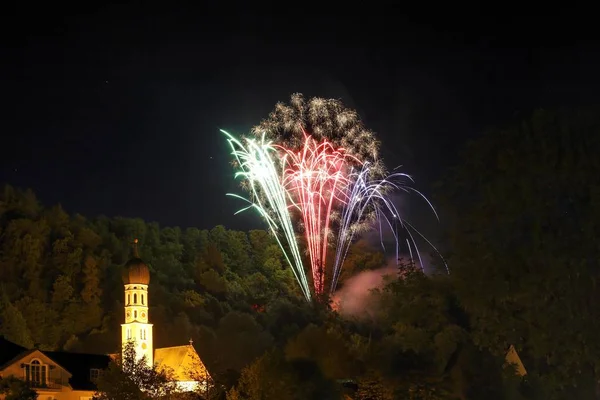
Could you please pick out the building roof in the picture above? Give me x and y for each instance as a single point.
(182, 360)
(10, 351)
(512, 357)
(79, 365)
(136, 270)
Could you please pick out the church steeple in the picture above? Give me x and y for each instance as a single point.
(136, 270)
(136, 328)
(135, 249)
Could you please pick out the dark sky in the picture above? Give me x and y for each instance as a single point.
(117, 111)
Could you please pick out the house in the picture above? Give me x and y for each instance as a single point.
(70, 376)
(53, 375)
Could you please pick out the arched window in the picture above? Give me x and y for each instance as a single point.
(128, 299)
(135, 298)
(142, 299)
(35, 373)
(135, 314)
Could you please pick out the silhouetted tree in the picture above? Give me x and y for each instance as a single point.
(16, 389)
(129, 378)
(523, 242)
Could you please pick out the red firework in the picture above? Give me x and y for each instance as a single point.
(316, 178)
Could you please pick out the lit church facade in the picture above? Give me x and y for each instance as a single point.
(71, 376)
(183, 361)
(136, 327)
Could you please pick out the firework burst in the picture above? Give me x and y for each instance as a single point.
(256, 161)
(315, 158)
(316, 178)
(325, 120)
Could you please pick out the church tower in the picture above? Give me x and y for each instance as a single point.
(136, 328)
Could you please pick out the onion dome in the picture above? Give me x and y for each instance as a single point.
(136, 270)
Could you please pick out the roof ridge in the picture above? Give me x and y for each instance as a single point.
(76, 353)
(20, 355)
(172, 347)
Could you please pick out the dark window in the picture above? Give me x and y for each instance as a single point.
(95, 373)
(35, 374)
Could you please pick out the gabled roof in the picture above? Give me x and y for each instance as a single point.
(184, 361)
(28, 355)
(512, 357)
(10, 351)
(79, 365)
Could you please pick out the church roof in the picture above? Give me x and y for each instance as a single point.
(136, 270)
(184, 361)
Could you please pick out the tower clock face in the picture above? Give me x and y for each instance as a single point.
(128, 314)
(143, 315)
(144, 346)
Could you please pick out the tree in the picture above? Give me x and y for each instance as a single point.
(372, 387)
(270, 377)
(13, 325)
(23, 244)
(324, 346)
(19, 203)
(238, 340)
(415, 336)
(41, 322)
(361, 257)
(129, 377)
(233, 394)
(16, 389)
(91, 292)
(66, 256)
(523, 238)
(62, 292)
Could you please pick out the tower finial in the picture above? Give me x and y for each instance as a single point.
(191, 341)
(135, 248)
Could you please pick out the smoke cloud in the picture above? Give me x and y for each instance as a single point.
(355, 298)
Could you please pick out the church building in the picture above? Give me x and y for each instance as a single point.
(183, 361)
(72, 376)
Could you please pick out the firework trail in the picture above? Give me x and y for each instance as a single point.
(268, 197)
(316, 177)
(366, 194)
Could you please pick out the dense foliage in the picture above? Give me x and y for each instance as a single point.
(523, 241)
(522, 250)
(12, 388)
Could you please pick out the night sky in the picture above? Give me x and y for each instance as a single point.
(117, 111)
